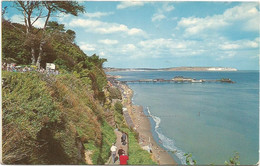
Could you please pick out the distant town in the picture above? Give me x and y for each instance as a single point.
(109, 69)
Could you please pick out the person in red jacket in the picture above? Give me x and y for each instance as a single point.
(123, 158)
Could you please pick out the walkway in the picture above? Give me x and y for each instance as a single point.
(119, 146)
(128, 118)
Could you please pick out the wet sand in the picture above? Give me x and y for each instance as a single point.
(143, 127)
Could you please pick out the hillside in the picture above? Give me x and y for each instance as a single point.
(55, 119)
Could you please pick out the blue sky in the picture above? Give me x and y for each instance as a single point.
(166, 34)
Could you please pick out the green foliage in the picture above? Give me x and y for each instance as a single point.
(233, 160)
(189, 160)
(27, 110)
(118, 107)
(54, 116)
(137, 155)
(14, 48)
(55, 26)
(114, 93)
(109, 137)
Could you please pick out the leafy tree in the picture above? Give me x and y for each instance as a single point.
(71, 34)
(33, 10)
(55, 26)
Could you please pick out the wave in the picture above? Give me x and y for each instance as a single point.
(167, 142)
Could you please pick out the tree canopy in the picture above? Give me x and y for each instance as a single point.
(33, 11)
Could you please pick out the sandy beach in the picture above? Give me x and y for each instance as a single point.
(143, 127)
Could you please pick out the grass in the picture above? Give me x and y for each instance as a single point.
(137, 155)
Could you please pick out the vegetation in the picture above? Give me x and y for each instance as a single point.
(54, 119)
(47, 120)
(233, 160)
(189, 160)
(114, 93)
(136, 153)
(34, 10)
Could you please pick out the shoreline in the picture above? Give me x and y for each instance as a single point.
(143, 127)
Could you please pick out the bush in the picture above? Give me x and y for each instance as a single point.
(114, 93)
(119, 107)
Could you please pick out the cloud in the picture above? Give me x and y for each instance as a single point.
(20, 19)
(246, 15)
(108, 41)
(239, 44)
(17, 19)
(167, 8)
(160, 14)
(105, 27)
(127, 4)
(158, 17)
(98, 14)
(227, 56)
(194, 25)
(87, 47)
(128, 48)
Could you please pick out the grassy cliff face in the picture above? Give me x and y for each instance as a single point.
(48, 120)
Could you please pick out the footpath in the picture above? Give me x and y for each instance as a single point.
(119, 146)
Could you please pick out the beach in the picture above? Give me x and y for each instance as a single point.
(143, 127)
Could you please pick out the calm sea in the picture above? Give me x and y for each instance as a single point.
(211, 121)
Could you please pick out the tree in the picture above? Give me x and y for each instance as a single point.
(34, 10)
(55, 26)
(71, 34)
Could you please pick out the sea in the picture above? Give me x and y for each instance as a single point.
(211, 120)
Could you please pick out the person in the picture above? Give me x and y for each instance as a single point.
(123, 139)
(123, 159)
(120, 151)
(113, 152)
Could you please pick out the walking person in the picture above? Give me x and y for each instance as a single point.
(113, 152)
(123, 158)
(123, 139)
(120, 151)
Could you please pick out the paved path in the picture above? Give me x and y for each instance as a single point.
(119, 146)
(128, 118)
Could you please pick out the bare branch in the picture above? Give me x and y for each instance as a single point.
(37, 17)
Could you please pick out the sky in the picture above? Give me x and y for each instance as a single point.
(165, 34)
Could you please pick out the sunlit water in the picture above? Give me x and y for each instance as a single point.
(209, 120)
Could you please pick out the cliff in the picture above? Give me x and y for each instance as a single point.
(56, 119)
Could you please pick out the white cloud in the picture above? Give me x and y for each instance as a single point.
(163, 43)
(194, 25)
(135, 31)
(128, 48)
(246, 14)
(127, 4)
(167, 8)
(227, 56)
(105, 27)
(98, 14)
(17, 19)
(239, 44)
(87, 47)
(102, 53)
(39, 23)
(20, 19)
(158, 17)
(160, 14)
(85, 23)
(108, 41)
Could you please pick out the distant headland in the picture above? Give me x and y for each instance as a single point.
(109, 69)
